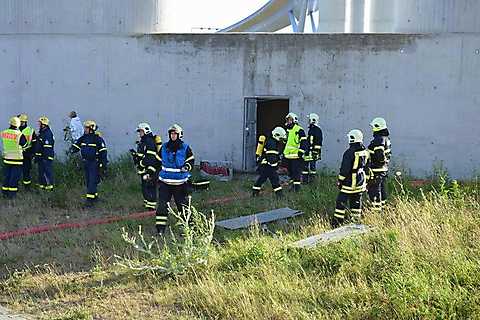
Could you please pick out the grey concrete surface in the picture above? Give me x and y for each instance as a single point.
(426, 86)
(258, 218)
(7, 315)
(80, 17)
(334, 235)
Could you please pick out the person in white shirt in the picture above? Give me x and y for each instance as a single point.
(76, 127)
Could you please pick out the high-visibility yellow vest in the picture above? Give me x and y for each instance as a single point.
(293, 143)
(28, 133)
(11, 145)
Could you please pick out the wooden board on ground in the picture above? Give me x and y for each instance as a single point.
(258, 218)
(333, 235)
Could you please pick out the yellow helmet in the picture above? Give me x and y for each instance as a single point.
(15, 122)
(23, 117)
(90, 124)
(44, 120)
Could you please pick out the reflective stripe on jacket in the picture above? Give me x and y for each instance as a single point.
(12, 150)
(172, 164)
(294, 141)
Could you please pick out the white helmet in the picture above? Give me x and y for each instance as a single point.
(145, 127)
(378, 124)
(177, 129)
(355, 136)
(293, 116)
(279, 133)
(313, 118)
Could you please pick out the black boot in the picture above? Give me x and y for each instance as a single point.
(161, 230)
(305, 179)
(337, 222)
(90, 203)
(296, 187)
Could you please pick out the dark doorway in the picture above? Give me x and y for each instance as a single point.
(262, 115)
(270, 114)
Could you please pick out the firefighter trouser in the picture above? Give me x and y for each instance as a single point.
(165, 193)
(377, 191)
(12, 174)
(92, 178)
(27, 169)
(295, 168)
(310, 171)
(45, 174)
(149, 192)
(355, 201)
(267, 172)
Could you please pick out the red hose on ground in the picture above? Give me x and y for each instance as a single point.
(73, 225)
(98, 221)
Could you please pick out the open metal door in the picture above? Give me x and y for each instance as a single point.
(250, 134)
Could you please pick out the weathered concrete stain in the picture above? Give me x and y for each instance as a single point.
(280, 42)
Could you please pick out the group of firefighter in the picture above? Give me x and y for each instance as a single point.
(362, 169)
(169, 165)
(21, 146)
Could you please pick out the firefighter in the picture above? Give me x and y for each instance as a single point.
(352, 179)
(13, 143)
(177, 162)
(44, 154)
(31, 136)
(268, 162)
(295, 150)
(380, 153)
(94, 155)
(314, 143)
(147, 160)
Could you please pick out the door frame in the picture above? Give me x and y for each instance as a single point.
(244, 124)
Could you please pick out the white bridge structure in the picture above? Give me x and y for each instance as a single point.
(363, 16)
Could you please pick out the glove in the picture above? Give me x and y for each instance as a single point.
(185, 168)
(146, 177)
(259, 160)
(300, 154)
(339, 184)
(315, 155)
(103, 171)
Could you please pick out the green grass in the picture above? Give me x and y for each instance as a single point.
(421, 262)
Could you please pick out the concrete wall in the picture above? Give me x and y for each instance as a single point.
(422, 16)
(80, 16)
(426, 86)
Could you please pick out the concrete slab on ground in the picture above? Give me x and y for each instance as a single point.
(258, 218)
(333, 235)
(7, 315)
